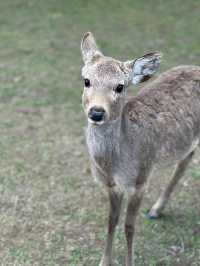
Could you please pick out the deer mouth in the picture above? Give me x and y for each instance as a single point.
(96, 123)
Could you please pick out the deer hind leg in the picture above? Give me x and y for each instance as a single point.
(164, 197)
(115, 199)
(134, 202)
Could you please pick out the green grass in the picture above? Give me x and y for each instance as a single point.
(51, 211)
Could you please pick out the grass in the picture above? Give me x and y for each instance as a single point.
(51, 211)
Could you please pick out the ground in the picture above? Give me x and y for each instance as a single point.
(52, 212)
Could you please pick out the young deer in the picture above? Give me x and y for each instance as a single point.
(128, 138)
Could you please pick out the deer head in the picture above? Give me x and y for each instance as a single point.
(106, 80)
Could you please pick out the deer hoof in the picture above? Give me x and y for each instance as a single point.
(151, 215)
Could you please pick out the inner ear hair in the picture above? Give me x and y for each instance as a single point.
(145, 78)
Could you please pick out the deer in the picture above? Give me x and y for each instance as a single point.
(129, 137)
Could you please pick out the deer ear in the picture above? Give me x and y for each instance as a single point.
(143, 67)
(89, 48)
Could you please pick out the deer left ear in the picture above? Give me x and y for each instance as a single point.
(143, 68)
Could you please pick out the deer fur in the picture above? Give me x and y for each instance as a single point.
(160, 126)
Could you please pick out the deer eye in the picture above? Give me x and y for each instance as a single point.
(87, 82)
(119, 88)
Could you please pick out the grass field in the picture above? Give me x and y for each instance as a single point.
(51, 211)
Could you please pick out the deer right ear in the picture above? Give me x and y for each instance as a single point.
(89, 48)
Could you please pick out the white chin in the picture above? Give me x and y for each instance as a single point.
(96, 123)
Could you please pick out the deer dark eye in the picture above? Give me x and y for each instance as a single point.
(87, 82)
(119, 88)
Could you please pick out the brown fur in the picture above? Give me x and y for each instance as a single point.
(168, 109)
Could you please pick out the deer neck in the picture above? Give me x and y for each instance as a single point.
(104, 141)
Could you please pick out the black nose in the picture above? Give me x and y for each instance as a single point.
(96, 114)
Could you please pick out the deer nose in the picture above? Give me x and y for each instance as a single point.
(96, 114)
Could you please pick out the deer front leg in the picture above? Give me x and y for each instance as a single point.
(115, 199)
(134, 201)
